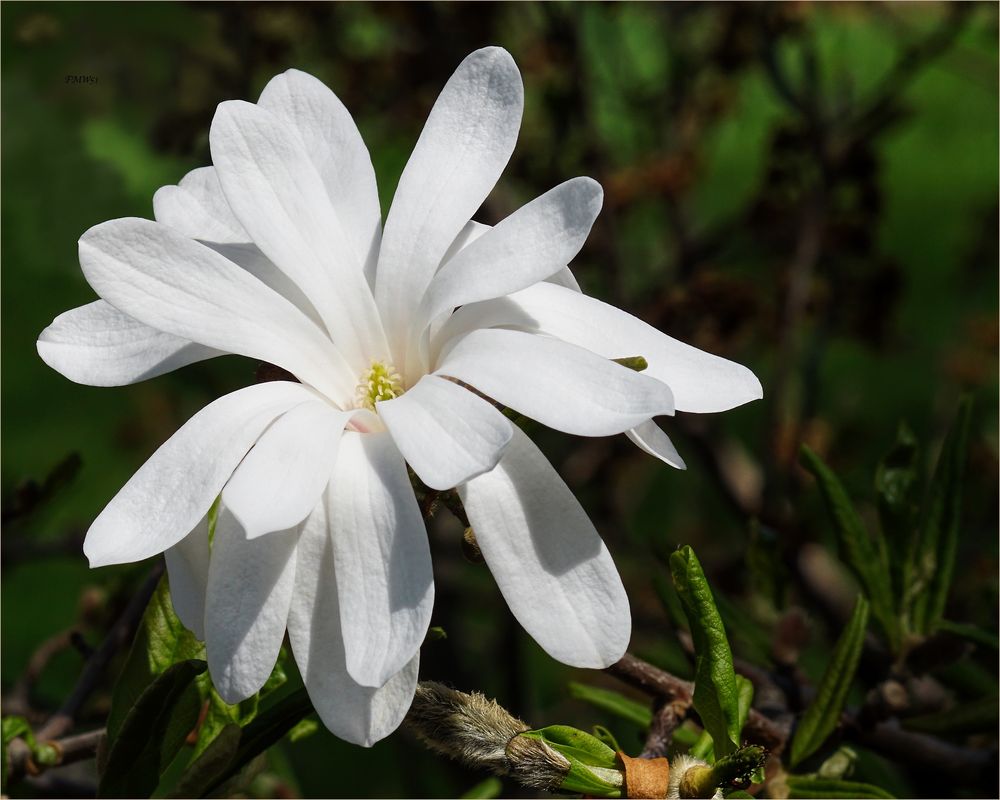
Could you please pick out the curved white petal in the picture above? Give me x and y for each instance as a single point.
(445, 432)
(250, 586)
(273, 186)
(381, 556)
(174, 489)
(650, 439)
(98, 345)
(174, 284)
(187, 569)
(554, 571)
(197, 208)
(561, 385)
(530, 245)
(700, 381)
(464, 146)
(284, 475)
(359, 714)
(336, 148)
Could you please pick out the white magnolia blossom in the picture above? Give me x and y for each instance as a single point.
(277, 252)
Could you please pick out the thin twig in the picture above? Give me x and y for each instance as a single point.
(70, 749)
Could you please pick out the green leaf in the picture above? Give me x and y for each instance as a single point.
(744, 687)
(11, 728)
(302, 729)
(971, 632)
(613, 702)
(940, 523)
(716, 698)
(214, 761)
(485, 790)
(738, 794)
(866, 557)
(161, 641)
(153, 732)
(607, 737)
(220, 761)
(823, 714)
(804, 787)
(896, 481)
(977, 717)
(576, 745)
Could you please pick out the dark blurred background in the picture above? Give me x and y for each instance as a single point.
(808, 189)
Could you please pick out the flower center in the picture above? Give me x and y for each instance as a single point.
(379, 382)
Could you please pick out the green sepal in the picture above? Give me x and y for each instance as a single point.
(576, 745)
(716, 698)
(823, 714)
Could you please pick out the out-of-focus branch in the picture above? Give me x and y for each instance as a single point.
(69, 749)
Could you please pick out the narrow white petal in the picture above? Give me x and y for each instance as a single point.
(179, 286)
(336, 148)
(356, 713)
(649, 438)
(530, 245)
(381, 556)
(700, 381)
(98, 345)
(565, 278)
(469, 233)
(197, 208)
(276, 192)
(250, 586)
(283, 476)
(464, 146)
(187, 569)
(558, 384)
(445, 432)
(554, 571)
(174, 489)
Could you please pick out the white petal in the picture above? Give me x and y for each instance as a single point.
(464, 146)
(701, 382)
(359, 714)
(565, 278)
(179, 286)
(381, 556)
(282, 478)
(445, 432)
(246, 609)
(174, 489)
(472, 231)
(248, 256)
(548, 560)
(278, 195)
(650, 439)
(197, 208)
(98, 345)
(530, 245)
(336, 148)
(558, 384)
(187, 569)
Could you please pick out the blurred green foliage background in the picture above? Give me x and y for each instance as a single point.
(808, 189)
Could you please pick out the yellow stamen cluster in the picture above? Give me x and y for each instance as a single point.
(380, 382)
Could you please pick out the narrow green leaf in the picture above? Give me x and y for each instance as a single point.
(485, 790)
(303, 729)
(152, 732)
(613, 702)
(804, 787)
(971, 632)
(716, 698)
(576, 745)
(823, 714)
(896, 484)
(581, 780)
(977, 717)
(607, 737)
(940, 518)
(866, 557)
(738, 794)
(744, 687)
(703, 748)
